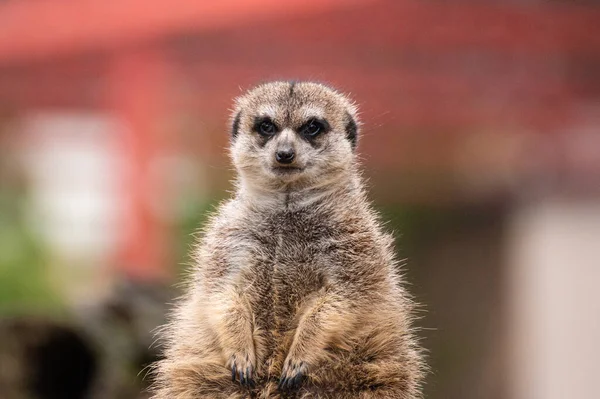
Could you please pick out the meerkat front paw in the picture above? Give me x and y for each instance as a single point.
(293, 374)
(243, 368)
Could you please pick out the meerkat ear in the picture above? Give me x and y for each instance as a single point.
(351, 130)
(235, 126)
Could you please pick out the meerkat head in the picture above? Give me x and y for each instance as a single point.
(286, 133)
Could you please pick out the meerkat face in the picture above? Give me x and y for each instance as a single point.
(284, 132)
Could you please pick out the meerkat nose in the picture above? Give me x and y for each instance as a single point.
(285, 156)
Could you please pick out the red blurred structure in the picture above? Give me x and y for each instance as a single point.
(420, 69)
(138, 84)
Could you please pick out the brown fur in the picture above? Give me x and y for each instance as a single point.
(295, 279)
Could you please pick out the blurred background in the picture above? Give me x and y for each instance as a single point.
(481, 143)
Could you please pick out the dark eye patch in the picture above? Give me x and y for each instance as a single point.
(265, 126)
(313, 128)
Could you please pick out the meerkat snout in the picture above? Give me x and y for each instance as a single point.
(285, 156)
(285, 147)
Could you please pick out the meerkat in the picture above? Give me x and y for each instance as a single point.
(295, 290)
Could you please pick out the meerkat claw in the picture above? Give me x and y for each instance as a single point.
(245, 377)
(292, 377)
(296, 382)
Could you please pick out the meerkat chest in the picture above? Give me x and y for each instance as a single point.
(301, 255)
(295, 261)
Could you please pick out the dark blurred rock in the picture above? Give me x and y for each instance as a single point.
(45, 359)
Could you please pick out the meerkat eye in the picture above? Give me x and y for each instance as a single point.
(313, 128)
(266, 127)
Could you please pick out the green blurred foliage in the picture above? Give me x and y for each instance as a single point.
(24, 273)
